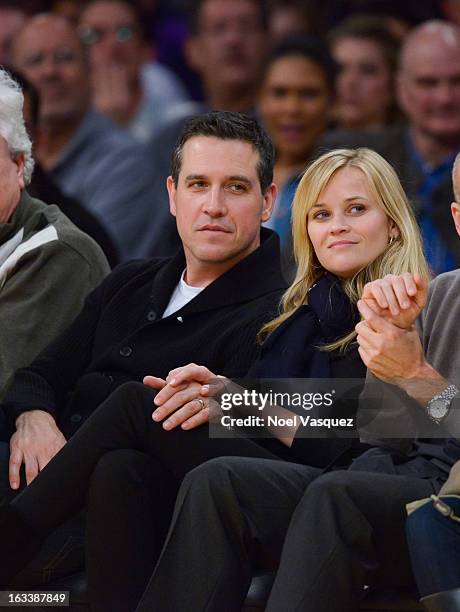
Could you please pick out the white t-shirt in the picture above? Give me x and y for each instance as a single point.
(182, 294)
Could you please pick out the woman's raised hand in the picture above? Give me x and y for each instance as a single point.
(399, 299)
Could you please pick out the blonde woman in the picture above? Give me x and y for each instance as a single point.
(351, 224)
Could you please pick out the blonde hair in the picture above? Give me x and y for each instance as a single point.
(405, 254)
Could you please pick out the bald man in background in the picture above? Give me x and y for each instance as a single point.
(423, 150)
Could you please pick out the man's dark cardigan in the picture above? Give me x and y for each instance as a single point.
(120, 335)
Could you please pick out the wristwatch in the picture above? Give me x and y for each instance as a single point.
(439, 406)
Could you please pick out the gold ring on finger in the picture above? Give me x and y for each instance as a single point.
(202, 404)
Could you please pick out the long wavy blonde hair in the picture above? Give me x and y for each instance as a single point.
(405, 254)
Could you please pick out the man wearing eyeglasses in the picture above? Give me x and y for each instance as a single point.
(85, 153)
(115, 35)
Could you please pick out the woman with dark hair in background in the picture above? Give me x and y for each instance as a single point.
(294, 104)
(366, 53)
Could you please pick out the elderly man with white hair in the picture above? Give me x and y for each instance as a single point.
(47, 267)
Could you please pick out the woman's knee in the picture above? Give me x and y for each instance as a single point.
(227, 479)
(216, 474)
(212, 471)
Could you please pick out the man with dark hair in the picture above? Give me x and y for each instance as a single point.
(228, 126)
(206, 304)
(226, 47)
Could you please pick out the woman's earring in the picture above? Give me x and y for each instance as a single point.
(392, 239)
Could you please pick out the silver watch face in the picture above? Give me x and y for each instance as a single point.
(438, 408)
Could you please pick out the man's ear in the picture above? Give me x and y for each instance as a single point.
(455, 210)
(269, 202)
(19, 160)
(171, 187)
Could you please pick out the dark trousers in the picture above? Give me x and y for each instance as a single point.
(62, 552)
(80, 472)
(129, 507)
(332, 534)
(434, 544)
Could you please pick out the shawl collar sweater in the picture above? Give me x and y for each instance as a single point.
(120, 335)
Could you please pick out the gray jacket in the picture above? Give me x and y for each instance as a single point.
(47, 267)
(409, 442)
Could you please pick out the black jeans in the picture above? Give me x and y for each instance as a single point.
(123, 421)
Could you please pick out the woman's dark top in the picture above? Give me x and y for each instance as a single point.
(293, 351)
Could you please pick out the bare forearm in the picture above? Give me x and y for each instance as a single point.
(424, 385)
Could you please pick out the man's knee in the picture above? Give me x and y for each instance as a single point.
(329, 491)
(346, 497)
(123, 469)
(134, 391)
(128, 398)
(330, 482)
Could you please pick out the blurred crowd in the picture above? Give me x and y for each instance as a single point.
(110, 83)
